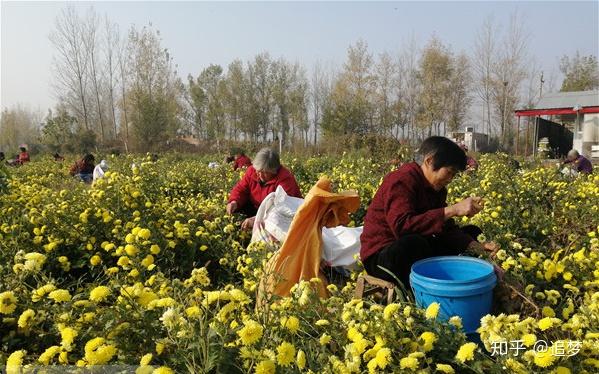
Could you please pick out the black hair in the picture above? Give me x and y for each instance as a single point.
(445, 153)
(89, 158)
(2, 156)
(23, 149)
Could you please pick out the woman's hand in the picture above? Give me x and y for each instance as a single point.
(232, 207)
(467, 207)
(487, 249)
(492, 248)
(248, 223)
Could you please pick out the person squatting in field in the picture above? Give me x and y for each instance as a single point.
(240, 160)
(409, 220)
(578, 162)
(260, 179)
(84, 168)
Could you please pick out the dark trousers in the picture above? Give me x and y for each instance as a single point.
(399, 256)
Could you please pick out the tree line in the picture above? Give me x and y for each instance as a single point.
(118, 90)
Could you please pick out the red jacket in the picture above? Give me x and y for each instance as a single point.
(250, 191)
(406, 203)
(242, 162)
(81, 167)
(23, 157)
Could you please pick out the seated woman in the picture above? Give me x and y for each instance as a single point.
(409, 220)
(260, 179)
(84, 168)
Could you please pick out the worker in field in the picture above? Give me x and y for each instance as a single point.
(100, 170)
(409, 220)
(260, 179)
(84, 168)
(23, 156)
(471, 163)
(240, 160)
(578, 162)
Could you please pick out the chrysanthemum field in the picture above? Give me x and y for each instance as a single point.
(144, 269)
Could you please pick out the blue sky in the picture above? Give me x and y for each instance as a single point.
(200, 33)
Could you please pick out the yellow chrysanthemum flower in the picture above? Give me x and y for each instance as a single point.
(48, 355)
(325, 339)
(409, 363)
(432, 310)
(529, 339)
(25, 318)
(250, 333)
(8, 302)
(466, 352)
(14, 362)
(60, 296)
(285, 354)
(383, 358)
(163, 370)
(444, 368)
(390, 311)
(544, 359)
(300, 360)
(99, 294)
(429, 339)
(265, 367)
(291, 323)
(68, 336)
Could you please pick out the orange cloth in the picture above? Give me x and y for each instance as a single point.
(299, 257)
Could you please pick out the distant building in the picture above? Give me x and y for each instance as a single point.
(567, 115)
(474, 141)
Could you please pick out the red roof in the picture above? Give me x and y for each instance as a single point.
(554, 111)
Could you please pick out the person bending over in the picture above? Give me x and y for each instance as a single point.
(409, 220)
(84, 168)
(578, 162)
(240, 160)
(260, 179)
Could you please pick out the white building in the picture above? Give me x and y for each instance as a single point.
(578, 111)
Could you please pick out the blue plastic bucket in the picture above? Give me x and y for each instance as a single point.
(463, 286)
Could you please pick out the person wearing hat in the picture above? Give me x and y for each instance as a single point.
(100, 169)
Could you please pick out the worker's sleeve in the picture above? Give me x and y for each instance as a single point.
(401, 215)
(241, 191)
(290, 186)
(73, 169)
(452, 236)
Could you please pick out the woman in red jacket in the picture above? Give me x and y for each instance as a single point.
(23, 156)
(260, 179)
(240, 159)
(409, 220)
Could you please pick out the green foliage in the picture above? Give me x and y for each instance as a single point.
(581, 73)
